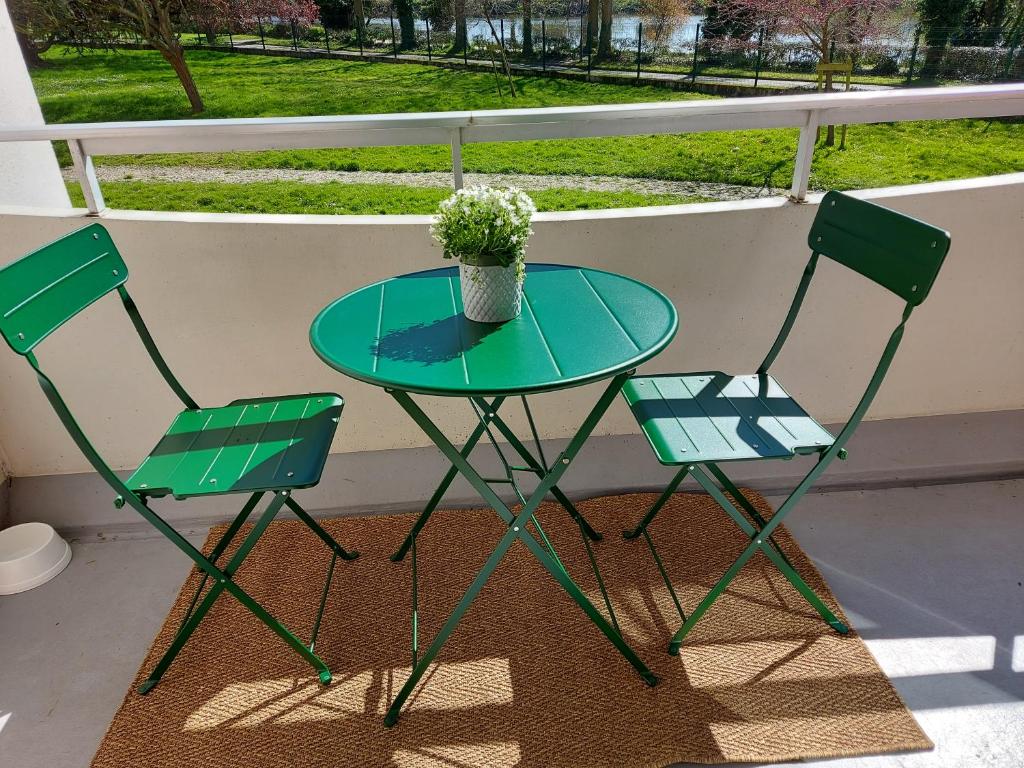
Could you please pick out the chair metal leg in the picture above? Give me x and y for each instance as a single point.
(316, 528)
(641, 527)
(225, 582)
(760, 538)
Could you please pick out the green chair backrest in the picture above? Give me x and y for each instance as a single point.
(894, 250)
(43, 290)
(46, 288)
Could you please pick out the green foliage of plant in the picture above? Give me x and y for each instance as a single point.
(484, 226)
(336, 198)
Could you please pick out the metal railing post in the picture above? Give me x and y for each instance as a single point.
(696, 47)
(457, 158)
(430, 52)
(804, 156)
(263, 40)
(757, 66)
(543, 47)
(639, 46)
(394, 43)
(86, 174)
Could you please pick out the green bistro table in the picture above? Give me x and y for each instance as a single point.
(578, 326)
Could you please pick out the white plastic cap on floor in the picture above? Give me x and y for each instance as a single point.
(30, 554)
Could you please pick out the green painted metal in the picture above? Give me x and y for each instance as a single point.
(41, 291)
(699, 420)
(890, 248)
(248, 445)
(577, 326)
(712, 416)
(48, 287)
(409, 336)
(517, 530)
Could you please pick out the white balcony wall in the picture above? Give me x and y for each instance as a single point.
(230, 298)
(29, 173)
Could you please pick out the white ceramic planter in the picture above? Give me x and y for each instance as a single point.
(30, 554)
(490, 294)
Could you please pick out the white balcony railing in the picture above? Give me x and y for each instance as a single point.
(88, 140)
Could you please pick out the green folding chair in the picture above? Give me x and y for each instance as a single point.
(697, 421)
(256, 446)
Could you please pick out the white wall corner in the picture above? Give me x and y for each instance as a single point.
(29, 172)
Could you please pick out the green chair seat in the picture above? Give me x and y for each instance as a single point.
(246, 446)
(712, 416)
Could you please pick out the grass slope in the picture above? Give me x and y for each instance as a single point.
(138, 85)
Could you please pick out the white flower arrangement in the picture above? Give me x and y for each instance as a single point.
(485, 226)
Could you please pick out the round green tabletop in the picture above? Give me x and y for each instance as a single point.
(577, 326)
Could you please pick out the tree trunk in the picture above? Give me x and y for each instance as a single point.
(593, 19)
(604, 47)
(527, 28)
(29, 50)
(935, 40)
(461, 36)
(359, 14)
(406, 23)
(175, 56)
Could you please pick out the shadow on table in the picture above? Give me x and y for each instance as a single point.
(439, 341)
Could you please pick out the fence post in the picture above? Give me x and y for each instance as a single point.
(86, 173)
(263, 40)
(804, 156)
(583, 13)
(457, 158)
(913, 54)
(543, 47)
(394, 43)
(639, 46)
(757, 66)
(430, 52)
(696, 46)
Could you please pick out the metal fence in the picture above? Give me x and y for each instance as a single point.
(651, 46)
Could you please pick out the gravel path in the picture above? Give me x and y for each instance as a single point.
(429, 179)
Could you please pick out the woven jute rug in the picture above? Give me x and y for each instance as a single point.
(526, 679)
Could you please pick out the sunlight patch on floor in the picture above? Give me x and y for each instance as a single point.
(285, 701)
(458, 685)
(915, 656)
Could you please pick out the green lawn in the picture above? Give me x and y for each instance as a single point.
(336, 198)
(138, 85)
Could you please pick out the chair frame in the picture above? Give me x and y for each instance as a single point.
(740, 509)
(222, 575)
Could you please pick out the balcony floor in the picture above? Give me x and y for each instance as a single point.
(930, 576)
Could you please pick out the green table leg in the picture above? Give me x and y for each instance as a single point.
(446, 481)
(540, 470)
(517, 529)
